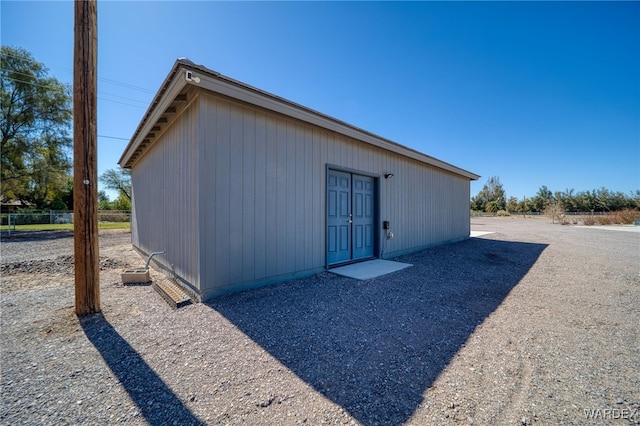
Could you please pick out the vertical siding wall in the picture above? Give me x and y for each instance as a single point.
(263, 196)
(426, 206)
(165, 200)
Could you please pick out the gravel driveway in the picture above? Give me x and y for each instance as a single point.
(532, 324)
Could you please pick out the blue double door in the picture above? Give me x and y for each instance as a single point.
(350, 217)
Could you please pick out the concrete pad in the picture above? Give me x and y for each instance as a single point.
(474, 234)
(369, 269)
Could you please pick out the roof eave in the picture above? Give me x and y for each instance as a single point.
(136, 139)
(215, 82)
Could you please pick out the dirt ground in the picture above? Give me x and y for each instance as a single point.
(533, 323)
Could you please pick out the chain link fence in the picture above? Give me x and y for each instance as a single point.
(53, 219)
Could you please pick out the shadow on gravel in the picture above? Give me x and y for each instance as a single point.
(155, 400)
(374, 347)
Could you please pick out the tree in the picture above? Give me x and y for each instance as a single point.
(121, 203)
(491, 198)
(478, 203)
(119, 181)
(103, 201)
(634, 199)
(567, 200)
(512, 205)
(492, 207)
(64, 199)
(34, 130)
(524, 205)
(541, 200)
(555, 210)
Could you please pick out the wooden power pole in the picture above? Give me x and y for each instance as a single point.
(85, 150)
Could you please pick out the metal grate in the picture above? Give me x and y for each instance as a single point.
(172, 293)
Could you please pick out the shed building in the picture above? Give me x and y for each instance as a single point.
(243, 188)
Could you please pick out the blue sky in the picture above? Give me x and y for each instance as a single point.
(537, 93)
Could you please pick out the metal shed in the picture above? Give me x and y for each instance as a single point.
(243, 188)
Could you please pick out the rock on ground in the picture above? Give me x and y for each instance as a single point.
(532, 324)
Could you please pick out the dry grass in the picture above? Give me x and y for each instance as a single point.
(623, 217)
(626, 217)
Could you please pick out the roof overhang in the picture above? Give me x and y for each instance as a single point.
(179, 88)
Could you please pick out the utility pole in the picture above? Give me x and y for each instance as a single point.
(85, 150)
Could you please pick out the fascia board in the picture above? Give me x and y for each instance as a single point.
(235, 91)
(164, 99)
(217, 83)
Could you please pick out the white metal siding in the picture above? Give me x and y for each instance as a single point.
(263, 186)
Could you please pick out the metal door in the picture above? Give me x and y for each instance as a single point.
(363, 218)
(338, 217)
(350, 217)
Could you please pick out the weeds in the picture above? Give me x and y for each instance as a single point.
(623, 217)
(566, 221)
(626, 217)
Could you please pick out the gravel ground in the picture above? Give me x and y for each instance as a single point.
(532, 324)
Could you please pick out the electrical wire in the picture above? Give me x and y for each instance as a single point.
(121, 103)
(46, 86)
(126, 85)
(123, 97)
(112, 137)
(105, 79)
(100, 98)
(50, 86)
(31, 75)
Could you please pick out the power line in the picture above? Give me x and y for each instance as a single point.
(31, 75)
(116, 82)
(21, 73)
(121, 103)
(105, 79)
(126, 85)
(46, 86)
(112, 137)
(99, 92)
(123, 97)
(103, 99)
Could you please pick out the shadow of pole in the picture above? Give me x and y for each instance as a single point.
(374, 347)
(155, 400)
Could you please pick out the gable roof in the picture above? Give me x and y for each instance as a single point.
(178, 89)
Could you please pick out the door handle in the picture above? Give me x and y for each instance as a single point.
(350, 218)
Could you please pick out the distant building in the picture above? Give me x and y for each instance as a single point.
(13, 206)
(243, 188)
